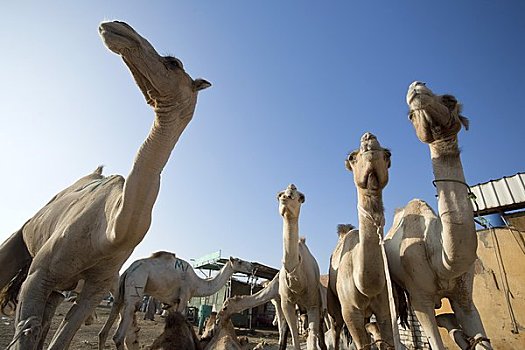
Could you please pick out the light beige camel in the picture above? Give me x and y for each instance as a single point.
(88, 230)
(432, 257)
(357, 283)
(168, 279)
(299, 275)
(178, 334)
(270, 292)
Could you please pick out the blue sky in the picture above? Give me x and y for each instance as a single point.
(295, 85)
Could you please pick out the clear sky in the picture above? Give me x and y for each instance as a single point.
(295, 85)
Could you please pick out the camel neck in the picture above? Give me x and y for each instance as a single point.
(205, 287)
(369, 272)
(371, 217)
(455, 209)
(142, 185)
(290, 243)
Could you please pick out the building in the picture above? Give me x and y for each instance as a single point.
(239, 284)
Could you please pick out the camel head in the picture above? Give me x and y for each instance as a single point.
(240, 265)
(161, 79)
(369, 164)
(435, 117)
(290, 201)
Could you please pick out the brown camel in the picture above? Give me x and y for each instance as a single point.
(87, 231)
(432, 257)
(178, 334)
(357, 285)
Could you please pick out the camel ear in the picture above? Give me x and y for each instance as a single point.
(349, 160)
(201, 84)
(302, 198)
(464, 121)
(388, 154)
(449, 101)
(232, 259)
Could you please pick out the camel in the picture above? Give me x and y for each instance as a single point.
(178, 334)
(270, 292)
(167, 278)
(357, 285)
(224, 337)
(299, 275)
(88, 230)
(432, 257)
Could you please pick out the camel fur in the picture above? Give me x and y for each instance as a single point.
(357, 285)
(432, 256)
(219, 334)
(178, 334)
(299, 275)
(88, 230)
(168, 279)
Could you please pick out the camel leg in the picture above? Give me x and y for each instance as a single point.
(468, 318)
(113, 314)
(281, 325)
(355, 321)
(52, 303)
(450, 323)
(88, 299)
(127, 314)
(132, 336)
(424, 310)
(291, 320)
(333, 307)
(34, 293)
(383, 319)
(315, 338)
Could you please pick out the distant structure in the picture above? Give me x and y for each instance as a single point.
(239, 284)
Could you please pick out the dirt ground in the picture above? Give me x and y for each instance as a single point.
(87, 336)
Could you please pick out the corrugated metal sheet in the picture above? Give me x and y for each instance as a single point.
(494, 196)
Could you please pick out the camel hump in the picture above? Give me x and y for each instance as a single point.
(419, 207)
(161, 254)
(344, 228)
(98, 170)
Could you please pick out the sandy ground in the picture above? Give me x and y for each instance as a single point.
(87, 336)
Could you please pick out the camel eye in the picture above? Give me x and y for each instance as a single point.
(173, 62)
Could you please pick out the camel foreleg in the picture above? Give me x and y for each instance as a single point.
(88, 299)
(291, 319)
(52, 303)
(424, 309)
(315, 338)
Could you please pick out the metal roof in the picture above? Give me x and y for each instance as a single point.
(496, 196)
(261, 270)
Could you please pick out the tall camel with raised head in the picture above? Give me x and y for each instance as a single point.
(166, 278)
(87, 231)
(357, 285)
(299, 275)
(432, 257)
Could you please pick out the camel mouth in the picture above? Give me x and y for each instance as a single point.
(118, 36)
(138, 54)
(416, 90)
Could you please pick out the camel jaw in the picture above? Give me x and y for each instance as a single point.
(119, 37)
(417, 94)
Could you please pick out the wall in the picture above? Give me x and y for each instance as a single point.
(490, 286)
